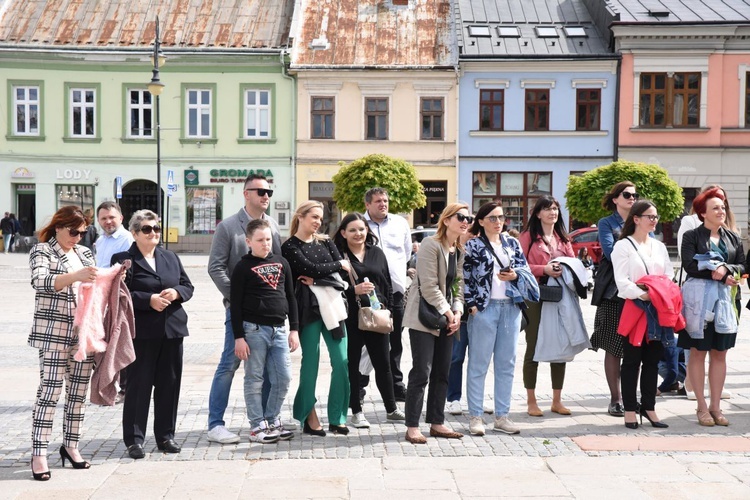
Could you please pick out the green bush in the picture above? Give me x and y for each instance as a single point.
(398, 177)
(585, 192)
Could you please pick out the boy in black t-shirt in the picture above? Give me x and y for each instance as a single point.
(261, 299)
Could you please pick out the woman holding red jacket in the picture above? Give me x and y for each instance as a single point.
(635, 255)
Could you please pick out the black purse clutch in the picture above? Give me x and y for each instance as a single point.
(550, 293)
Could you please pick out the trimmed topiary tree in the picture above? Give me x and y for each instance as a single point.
(398, 177)
(585, 192)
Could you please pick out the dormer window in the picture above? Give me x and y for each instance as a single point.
(575, 32)
(481, 31)
(508, 32)
(547, 32)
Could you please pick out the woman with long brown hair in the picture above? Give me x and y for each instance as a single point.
(58, 265)
(440, 282)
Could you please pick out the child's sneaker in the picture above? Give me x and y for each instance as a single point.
(284, 434)
(263, 434)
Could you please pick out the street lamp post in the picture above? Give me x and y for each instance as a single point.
(155, 88)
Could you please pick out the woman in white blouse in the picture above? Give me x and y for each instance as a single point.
(635, 255)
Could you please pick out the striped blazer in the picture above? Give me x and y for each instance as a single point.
(52, 329)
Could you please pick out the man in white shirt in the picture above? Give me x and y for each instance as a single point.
(394, 238)
(114, 238)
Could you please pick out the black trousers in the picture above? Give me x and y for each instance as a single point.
(646, 360)
(431, 362)
(378, 347)
(158, 364)
(397, 346)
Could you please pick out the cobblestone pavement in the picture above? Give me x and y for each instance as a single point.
(585, 393)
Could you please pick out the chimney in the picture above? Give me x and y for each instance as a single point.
(400, 2)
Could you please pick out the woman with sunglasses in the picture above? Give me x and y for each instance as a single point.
(618, 200)
(491, 269)
(158, 285)
(58, 265)
(635, 255)
(544, 239)
(440, 283)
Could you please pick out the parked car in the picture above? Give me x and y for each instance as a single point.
(420, 233)
(587, 237)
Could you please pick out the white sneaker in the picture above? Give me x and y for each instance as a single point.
(454, 407)
(506, 425)
(221, 434)
(396, 415)
(476, 426)
(359, 421)
(263, 434)
(284, 433)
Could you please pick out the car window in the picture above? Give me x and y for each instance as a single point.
(586, 237)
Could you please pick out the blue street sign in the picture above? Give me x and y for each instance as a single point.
(118, 184)
(171, 188)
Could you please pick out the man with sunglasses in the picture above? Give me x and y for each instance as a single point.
(394, 238)
(228, 247)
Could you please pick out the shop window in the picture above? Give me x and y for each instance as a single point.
(140, 112)
(670, 101)
(491, 107)
(72, 194)
(436, 193)
(323, 192)
(322, 116)
(376, 118)
(26, 102)
(537, 109)
(432, 118)
(588, 109)
(203, 209)
(516, 191)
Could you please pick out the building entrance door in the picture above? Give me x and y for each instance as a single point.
(137, 195)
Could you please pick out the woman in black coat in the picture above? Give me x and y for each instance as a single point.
(159, 285)
(357, 244)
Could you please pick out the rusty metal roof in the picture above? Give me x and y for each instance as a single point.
(230, 24)
(374, 33)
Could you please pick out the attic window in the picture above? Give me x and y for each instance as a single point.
(547, 32)
(483, 31)
(508, 32)
(656, 12)
(575, 32)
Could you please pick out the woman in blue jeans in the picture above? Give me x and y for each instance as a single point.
(492, 263)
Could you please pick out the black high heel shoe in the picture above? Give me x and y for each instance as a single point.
(76, 465)
(631, 425)
(338, 429)
(654, 423)
(40, 476)
(306, 429)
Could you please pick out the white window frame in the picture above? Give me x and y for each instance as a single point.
(141, 107)
(256, 110)
(83, 105)
(27, 104)
(201, 109)
(742, 71)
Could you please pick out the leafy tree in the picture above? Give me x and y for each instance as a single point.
(585, 192)
(398, 177)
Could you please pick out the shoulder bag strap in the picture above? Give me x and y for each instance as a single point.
(488, 246)
(639, 254)
(352, 278)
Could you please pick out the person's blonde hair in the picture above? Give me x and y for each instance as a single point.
(302, 210)
(442, 230)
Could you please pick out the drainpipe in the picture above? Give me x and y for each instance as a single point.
(457, 131)
(293, 162)
(616, 139)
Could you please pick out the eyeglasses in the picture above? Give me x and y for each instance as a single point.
(652, 218)
(75, 232)
(627, 195)
(495, 218)
(261, 192)
(464, 218)
(148, 229)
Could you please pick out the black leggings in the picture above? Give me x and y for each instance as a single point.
(378, 347)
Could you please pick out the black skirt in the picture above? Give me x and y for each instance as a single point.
(710, 341)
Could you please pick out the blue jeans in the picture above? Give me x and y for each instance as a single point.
(456, 375)
(218, 398)
(492, 332)
(269, 361)
(670, 368)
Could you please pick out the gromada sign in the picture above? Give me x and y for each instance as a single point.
(236, 175)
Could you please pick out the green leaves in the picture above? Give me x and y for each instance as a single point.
(585, 192)
(398, 177)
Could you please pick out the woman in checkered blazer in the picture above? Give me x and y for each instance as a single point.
(58, 264)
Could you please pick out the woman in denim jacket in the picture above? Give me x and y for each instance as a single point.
(493, 264)
(710, 206)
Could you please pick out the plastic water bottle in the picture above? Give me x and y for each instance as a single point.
(374, 302)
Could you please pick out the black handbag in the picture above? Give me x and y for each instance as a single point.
(549, 293)
(604, 283)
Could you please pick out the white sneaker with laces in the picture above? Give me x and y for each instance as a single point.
(359, 421)
(396, 415)
(284, 433)
(476, 426)
(454, 407)
(221, 434)
(263, 434)
(506, 425)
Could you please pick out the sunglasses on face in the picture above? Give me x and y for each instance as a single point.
(627, 195)
(75, 232)
(464, 218)
(262, 192)
(148, 229)
(652, 218)
(495, 218)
